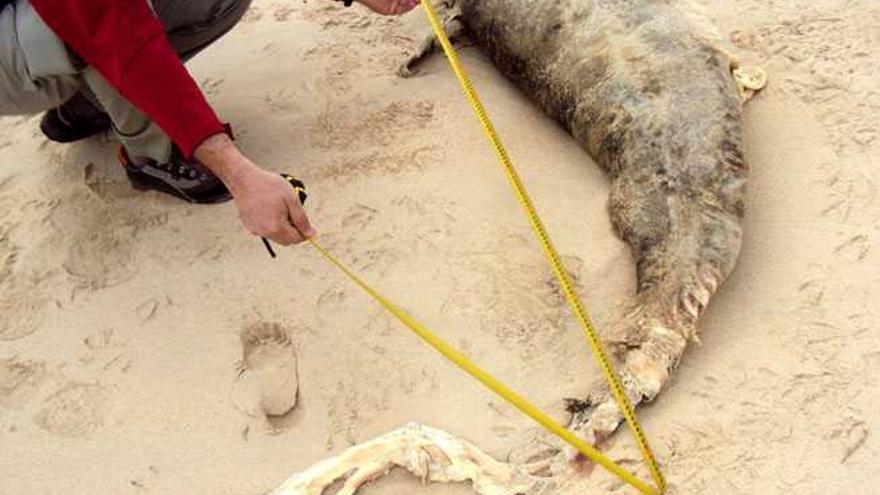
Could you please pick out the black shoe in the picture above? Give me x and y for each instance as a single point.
(76, 119)
(187, 180)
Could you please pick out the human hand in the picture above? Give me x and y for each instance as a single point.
(267, 205)
(390, 7)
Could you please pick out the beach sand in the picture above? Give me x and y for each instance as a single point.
(121, 312)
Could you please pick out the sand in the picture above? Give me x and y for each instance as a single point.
(122, 311)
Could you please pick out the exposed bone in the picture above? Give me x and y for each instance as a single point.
(750, 80)
(430, 454)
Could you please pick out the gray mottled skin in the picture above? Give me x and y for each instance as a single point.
(652, 99)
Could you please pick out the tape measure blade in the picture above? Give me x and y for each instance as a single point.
(611, 376)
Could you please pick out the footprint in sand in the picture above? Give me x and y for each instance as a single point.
(8, 254)
(99, 241)
(267, 385)
(21, 306)
(101, 259)
(101, 238)
(76, 410)
(22, 296)
(19, 379)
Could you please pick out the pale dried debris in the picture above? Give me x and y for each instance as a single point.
(428, 453)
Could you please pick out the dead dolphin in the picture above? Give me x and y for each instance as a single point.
(648, 89)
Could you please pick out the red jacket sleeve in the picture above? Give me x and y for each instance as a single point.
(126, 43)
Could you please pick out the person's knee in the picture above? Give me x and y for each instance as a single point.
(226, 12)
(200, 14)
(192, 25)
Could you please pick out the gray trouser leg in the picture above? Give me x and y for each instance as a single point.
(27, 44)
(35, 69)
(194, 24)
(141, 136)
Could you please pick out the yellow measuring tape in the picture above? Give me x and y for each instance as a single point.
(552, 256)
(488, 380)
(478, 373)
